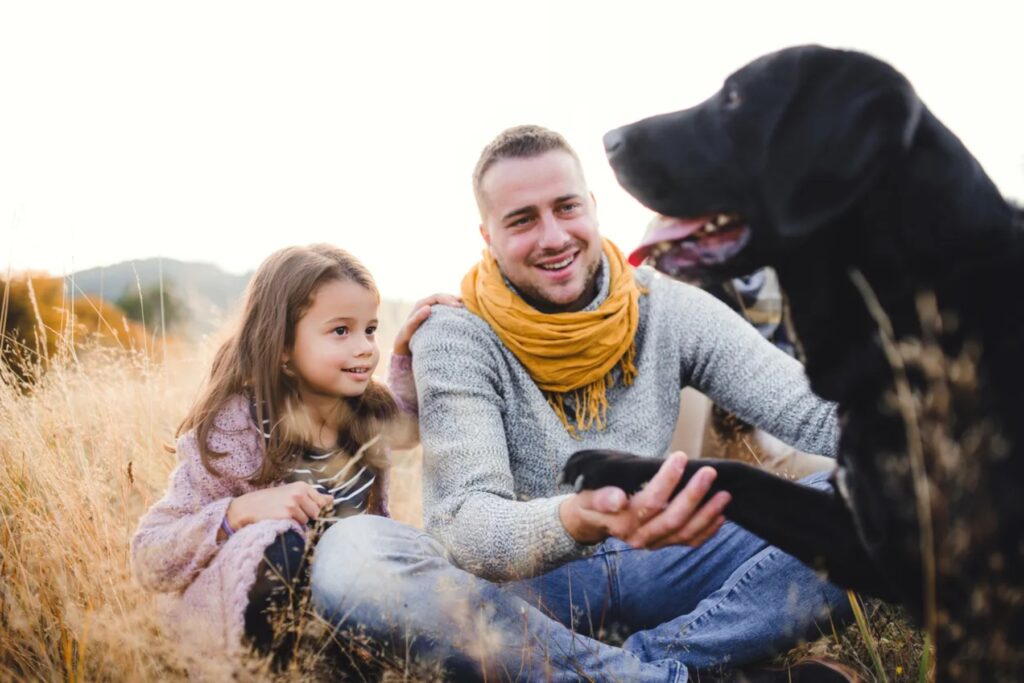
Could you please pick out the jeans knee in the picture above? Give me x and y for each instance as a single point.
(347, 550)
(364, 561)
(357, 535)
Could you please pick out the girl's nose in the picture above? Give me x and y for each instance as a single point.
(366, 347)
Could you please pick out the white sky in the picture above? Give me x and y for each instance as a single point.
(219, 131)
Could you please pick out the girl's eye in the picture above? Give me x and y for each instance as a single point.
(370, 331)
(341, 330)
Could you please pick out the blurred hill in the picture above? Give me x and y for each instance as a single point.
(205, 292)
(203, 295)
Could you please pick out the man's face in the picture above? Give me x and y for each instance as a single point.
(540, 223)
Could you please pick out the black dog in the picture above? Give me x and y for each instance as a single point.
(901, 264)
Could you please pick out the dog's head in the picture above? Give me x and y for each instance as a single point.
(784, 150)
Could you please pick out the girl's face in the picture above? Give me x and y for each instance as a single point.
(335, 351)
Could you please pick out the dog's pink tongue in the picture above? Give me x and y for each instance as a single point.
(665, 229)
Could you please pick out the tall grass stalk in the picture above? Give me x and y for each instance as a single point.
(865, 632)
(915, 446)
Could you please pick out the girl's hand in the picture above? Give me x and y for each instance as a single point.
(299, 501)
(420, 312)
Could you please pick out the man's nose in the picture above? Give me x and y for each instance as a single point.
(553, 235)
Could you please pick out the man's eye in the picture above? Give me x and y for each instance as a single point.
(569, 208)
(520, 222)
(340, 330)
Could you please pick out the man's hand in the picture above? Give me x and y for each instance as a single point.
(591, 516)
(652, 518)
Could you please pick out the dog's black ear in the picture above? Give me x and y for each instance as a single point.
(847, 121)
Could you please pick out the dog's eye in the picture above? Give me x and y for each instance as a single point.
(732, 98)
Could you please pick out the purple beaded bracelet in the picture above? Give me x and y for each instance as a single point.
(227, 527)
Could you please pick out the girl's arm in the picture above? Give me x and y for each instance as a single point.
(402, 384)
(405, 433)
(179, 535)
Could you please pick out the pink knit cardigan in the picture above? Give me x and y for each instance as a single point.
(203, 584)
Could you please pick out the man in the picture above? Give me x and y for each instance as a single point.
(563, 347)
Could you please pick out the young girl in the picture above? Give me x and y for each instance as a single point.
(289, 428)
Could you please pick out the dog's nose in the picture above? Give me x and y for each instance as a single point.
(613, 141)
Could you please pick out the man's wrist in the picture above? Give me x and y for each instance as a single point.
(575, 525)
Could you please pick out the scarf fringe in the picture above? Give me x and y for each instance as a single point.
(569, 353)
(590, 402)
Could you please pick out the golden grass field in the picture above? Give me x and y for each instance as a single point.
(82, 455)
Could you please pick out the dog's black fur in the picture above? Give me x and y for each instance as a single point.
(842, 176)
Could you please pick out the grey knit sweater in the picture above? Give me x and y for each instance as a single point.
(493, 448)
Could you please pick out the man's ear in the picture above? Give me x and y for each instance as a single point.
(486, 234)
(833, 153)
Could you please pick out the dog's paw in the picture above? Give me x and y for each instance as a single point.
(595, 468)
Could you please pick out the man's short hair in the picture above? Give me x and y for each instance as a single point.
(518, 142)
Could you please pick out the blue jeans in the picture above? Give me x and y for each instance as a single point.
(731, 601)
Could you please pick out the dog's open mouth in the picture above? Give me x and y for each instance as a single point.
(688, 248)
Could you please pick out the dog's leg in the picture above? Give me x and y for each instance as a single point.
(812, 525)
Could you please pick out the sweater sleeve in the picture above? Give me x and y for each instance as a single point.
(404, 432)
(469, 502)
(402, 383)
(727, 359)
(177, 537)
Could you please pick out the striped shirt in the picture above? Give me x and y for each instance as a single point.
(335, 473)
(345, 479)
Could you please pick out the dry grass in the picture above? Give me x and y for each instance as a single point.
(886, 648)
(82, 457)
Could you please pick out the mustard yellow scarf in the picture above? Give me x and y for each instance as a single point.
(564, 352)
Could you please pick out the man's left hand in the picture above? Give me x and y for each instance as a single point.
(664, 519)
(653, 518)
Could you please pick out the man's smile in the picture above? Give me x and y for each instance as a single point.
(558, 266)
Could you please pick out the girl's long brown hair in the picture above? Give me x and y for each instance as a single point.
(249, 363)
